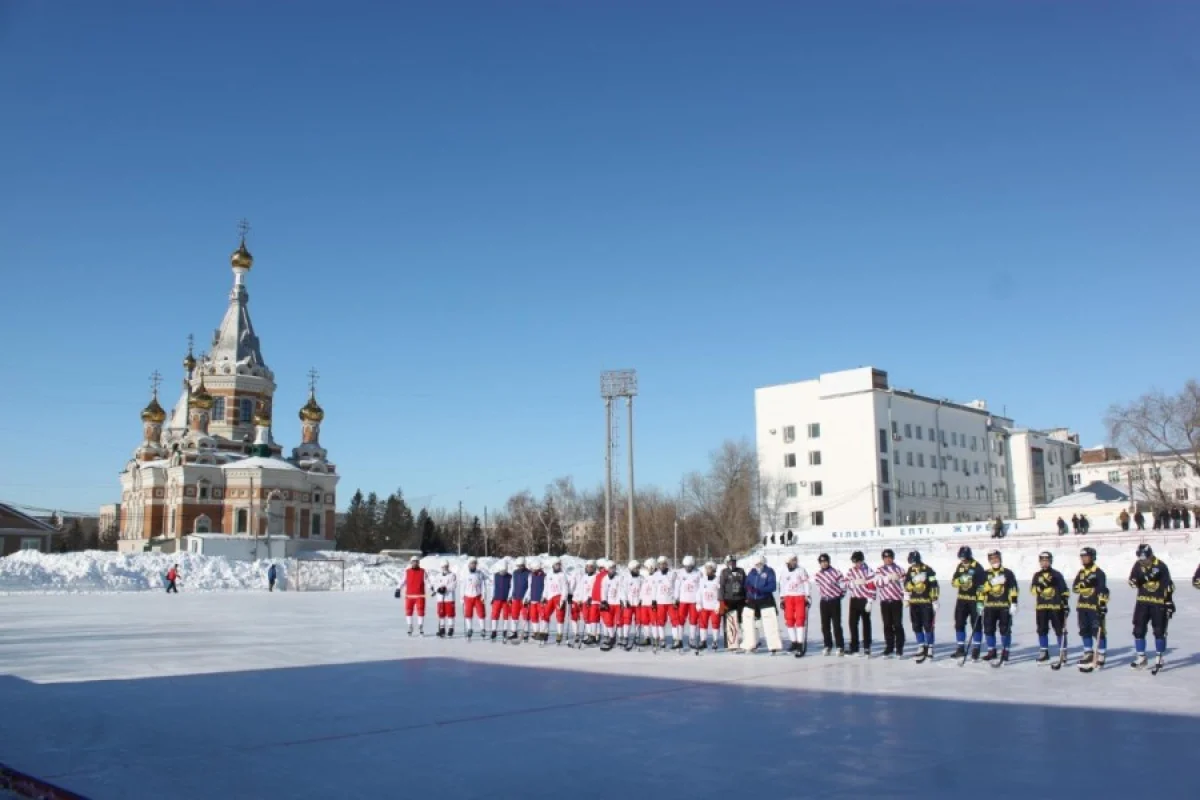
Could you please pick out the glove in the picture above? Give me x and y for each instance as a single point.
(1170, 608)
(1012, 609)
(654, 605)
(867, 608)
(676, 605)
(397, 594)
(603, 605)
(570, 598)
(979, 608)
(935, 606)
(441, 590)
(808, 602)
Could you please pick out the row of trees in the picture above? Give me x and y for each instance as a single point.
(714, 512)
(1161, 432)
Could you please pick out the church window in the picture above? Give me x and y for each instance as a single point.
(316, 497)
(316, 526)
(242, 525)
(218, 413)
(203, 524)
(245, 410)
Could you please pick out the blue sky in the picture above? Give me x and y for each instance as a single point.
(463, 212)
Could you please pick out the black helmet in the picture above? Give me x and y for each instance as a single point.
(730, 559)
(888, 553)
(964, 553)
(914, 557)
(993, 554)
(1090, 552)
(823, 558)
(857, 556)
(1144, 552)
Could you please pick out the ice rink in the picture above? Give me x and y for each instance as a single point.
(321, 695)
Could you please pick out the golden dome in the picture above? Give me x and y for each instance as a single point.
(312, 412)
(189, 362)
(262, 415)
(241, 258)
(153, 412)
(201, 398)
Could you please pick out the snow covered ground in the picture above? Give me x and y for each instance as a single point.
(320, 695)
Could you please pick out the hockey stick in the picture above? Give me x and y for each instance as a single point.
(975, 623)
(1062, 645)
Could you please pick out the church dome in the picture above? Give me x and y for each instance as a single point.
(241, 258)
(201, 398)
(262, 415)
(153, 412)
(311, 411)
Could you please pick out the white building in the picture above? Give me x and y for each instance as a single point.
(1156, 480)
(847, 450)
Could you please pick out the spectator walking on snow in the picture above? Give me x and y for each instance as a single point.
(271, 576)
(172, 577)
(1139, 519)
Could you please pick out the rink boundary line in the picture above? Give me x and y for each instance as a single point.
(25, 785)
(514, 713)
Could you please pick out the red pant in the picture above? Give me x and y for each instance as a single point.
(537, 612)
(414, 604)
(686, 613)
(445, 609)
(662, 613)
(499, 609)
(592, 613)
(611, 617)
(709, 618)
(795, 609)
(472, 606)
(554, 606)
(516, 609)
(645, 615)
(577, 612)
(627, 615)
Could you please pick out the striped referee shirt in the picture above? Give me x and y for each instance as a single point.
(830, 583)
(890, 580)
(861, 581)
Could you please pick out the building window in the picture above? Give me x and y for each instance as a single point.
(884, 477)
(814, 430)
(816, 488)
(203, 524)
(886, 504)
(790, 490)
(791, 519)
(1155, 474)
(1074, 478)
(958, 492)
(814, 458)
(895, 428)
(242, 521)
(1003, 471)
(789, 434)
(913, 490)
(920, 459)
(920, 432)
(1179, 472)
(1181, 494)
(908, 430)
(896, 456)
(316, 497)
(910, 459)
(883, 440)
(1137, 475)
(817, 518)
(974, 442)
(202, 490)
(976, 467)
(245, 410)
(316, 526)
(789, 460)
(218, 412)
(31, 543)
(922, 487)
(1051, 456)
(954, 438)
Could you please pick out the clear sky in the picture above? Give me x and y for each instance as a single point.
(463, 211)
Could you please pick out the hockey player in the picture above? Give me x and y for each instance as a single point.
(517, 612)
(578, 614)
(969, 580)
(760, 605)
(1000, 594)
(631, 604)
(861, 582)
(922, 586)
(832, 587)
(647, 613)
(610, 610)
(710, 607)
(733, 600)
(557, 589)
(889, 583)
(595, 601)
(474, 583)
(664, 600)
(534, 603)
(1091, 584)
(501, 593)
(445, 584)
(1155, 606)
(794, 594)
(1052, 604)
(687, 596)
(412, 589)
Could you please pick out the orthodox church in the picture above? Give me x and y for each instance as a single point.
(212, 465)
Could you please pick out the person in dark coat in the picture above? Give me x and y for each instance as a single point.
(1175, 518)
(271, 576)
(1123, 520)
(1085, 524)
(1075, 523)
(1062, 527)
(1139, 519)
(1186, 517)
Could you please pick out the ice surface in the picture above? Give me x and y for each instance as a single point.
(299, 695)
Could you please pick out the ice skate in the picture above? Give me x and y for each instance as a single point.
(450, 633)
(441, 633)
(960, 652)
(841, 652)
(1043, 657)
(678, 645)
(1087, 662)
(828, 651)
(991, 654)
(558, 639)
(1002, 660)
(974, 653)
(493, 636)
(1159, 663)
(1139, 661)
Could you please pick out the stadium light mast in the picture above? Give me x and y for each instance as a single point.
(616, 384)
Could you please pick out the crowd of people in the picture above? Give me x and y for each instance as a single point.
(705, 609)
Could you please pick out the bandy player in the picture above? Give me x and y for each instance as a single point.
(664, 601)
(710, 607)
(687, 595)
(794, 590)
(412, 589)
(558, 586)
(445, 583)
(646, 614)
(474, 583)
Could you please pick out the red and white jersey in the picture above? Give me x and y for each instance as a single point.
(889, 578)
(573, 583)
(599, 588)
(414, 580)
(444, 580)
(710, 593)
(794, 583)
(474, 583)
(664, 587)
(649, 589)
(558, 584)
(614, 589)
(633, 590)
(861, 581)
(687, 586)
(583, 588)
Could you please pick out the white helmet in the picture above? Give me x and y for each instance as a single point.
(535, 563)
(502, 565)
(649, 564)
(663, 560)
(710, 566)
(634, 566)
(444, 563)
(688, 561)
(609, 564)
(415, 560)
(792, 557)
(556, 562)
(472, 560)
(520, 562)
(591, 562)
(760, 560)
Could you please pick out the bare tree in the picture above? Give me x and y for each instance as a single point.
(722, 500)
(772, 502)
(1165, 425)
(523, 515)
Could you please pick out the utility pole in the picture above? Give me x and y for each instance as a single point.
(608, 447)
(629, 405)
(613, 384)
(485, 532)
(678, 508)
(460, 527)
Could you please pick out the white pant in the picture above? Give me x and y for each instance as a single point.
(770, 623)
